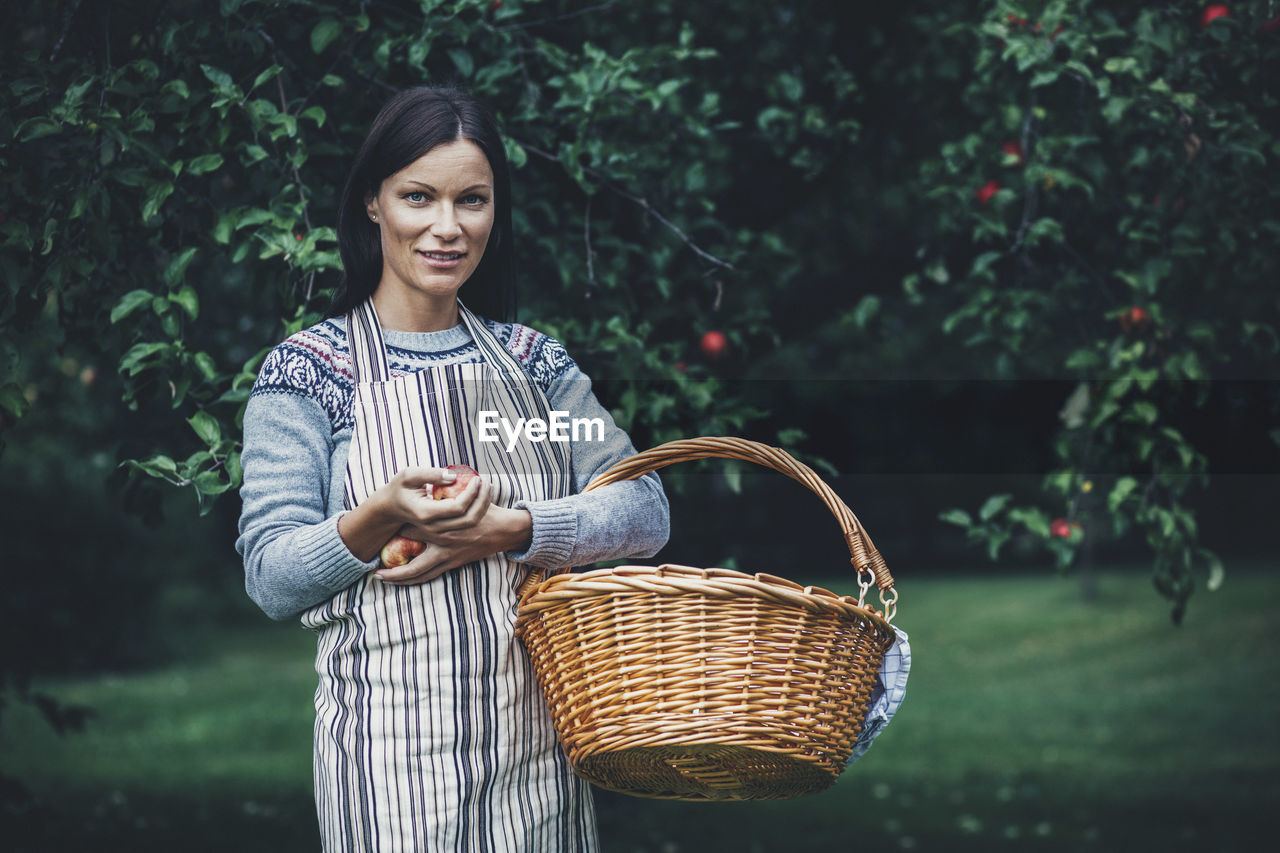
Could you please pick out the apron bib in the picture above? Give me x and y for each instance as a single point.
(431, 733)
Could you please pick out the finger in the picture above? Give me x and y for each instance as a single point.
(440, 514)
(424, 577)
(416, 476)
(467, 514)
(479, 506)
(419, 565)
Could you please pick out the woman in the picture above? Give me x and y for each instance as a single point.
(430, 730)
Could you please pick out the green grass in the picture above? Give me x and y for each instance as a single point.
(1033, 721)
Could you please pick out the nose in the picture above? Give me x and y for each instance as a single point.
(446, 226)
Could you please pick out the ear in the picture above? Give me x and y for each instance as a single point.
(371, 207)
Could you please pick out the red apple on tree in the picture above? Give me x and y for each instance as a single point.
(401, 549)
(1212, 13)
(1060, 528)
(989, 189)
(1135, 318)
(1012, 149)
(714, 344)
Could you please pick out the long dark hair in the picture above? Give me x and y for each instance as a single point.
(408, 126)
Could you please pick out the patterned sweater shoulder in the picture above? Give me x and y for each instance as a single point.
(316, 363)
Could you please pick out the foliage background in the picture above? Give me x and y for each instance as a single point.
(924, 232)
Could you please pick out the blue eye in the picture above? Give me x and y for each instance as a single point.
(474, 199)
(416, 197)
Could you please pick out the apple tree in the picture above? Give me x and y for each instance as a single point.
(1103, 214)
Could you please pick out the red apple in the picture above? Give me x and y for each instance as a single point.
(1135, 318)
(401, 549)
(1060, 528)
(463, 474)
(1013, 148)
(987, 191)
(1212, 13)
(714, 344)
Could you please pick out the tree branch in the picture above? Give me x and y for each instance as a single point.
(643, 204)
(586, 238)
(599, 7)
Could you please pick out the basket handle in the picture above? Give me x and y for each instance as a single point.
(863, 553)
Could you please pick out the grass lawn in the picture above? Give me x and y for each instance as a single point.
(1032, 722)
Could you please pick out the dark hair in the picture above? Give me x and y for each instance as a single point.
(408, 126)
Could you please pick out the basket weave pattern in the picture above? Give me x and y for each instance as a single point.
(705, 684)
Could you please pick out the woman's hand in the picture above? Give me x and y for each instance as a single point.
(469, 531)
(406, 499)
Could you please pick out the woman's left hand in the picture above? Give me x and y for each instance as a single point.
(481, 530)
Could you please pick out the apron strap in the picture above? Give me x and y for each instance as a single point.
(369, 353)
(518, 382)
(368, 350)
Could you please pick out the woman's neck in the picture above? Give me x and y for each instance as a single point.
(424, 314)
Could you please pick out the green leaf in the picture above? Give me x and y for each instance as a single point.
(186, 297)
(1045, 77)
(131, 363)
(1033, 519)
(316, 114)
(266, 75)
(462, 61)
(234, 472)
(155, 197)
(324, 33)
(177, 267)
(1145, 412)
(516, 154)
(206, 426)
(158, 465)
(993, 505)
(217, 76)
(1122, 489)
(733, 476)
(205, 163)
(1217, 572)
(865, 310)
(130, 302)
(995, 542)
(13, 400)
(210, 483)
(205, 364)
(958, 517)
(36, 128)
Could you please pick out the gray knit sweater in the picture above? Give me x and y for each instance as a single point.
(297, 430)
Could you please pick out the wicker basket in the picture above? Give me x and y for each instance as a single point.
(708, 684)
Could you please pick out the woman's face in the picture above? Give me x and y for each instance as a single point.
(435, 216)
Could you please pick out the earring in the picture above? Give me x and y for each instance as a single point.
(373, 216)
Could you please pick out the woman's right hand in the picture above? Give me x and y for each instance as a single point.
(405, 499)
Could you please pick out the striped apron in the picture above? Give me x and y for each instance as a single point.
(431, 733)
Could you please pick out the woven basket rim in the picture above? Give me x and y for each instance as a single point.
(676, 579)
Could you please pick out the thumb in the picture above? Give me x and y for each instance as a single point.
(416, 476)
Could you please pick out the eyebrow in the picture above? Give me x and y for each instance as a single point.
(434, 190)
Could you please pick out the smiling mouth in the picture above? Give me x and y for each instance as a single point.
(442, 256)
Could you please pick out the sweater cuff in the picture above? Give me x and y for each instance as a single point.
(327, 558)
(555, 529)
